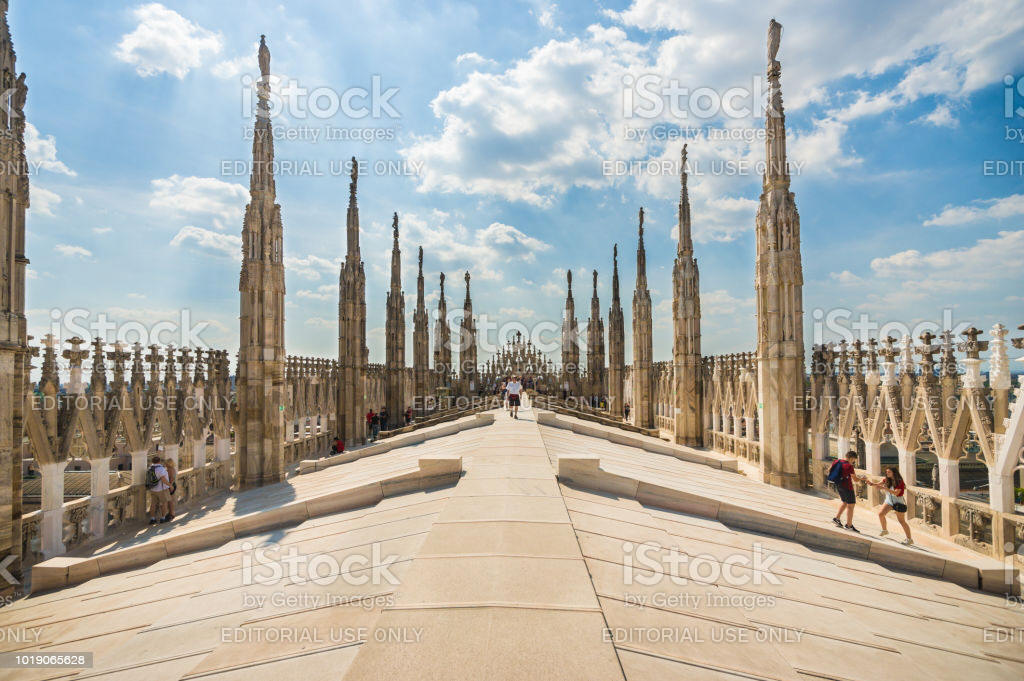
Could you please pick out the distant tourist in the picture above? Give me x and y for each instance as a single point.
(842, 473)
(339, 446)
(408, 415)
(515, 388)
(383, 419)
(504, 396)
(894, 488)
(371, 418)
(625, 411)
(157, 486)
(172, 479)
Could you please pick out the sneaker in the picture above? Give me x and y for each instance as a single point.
(851, 528)
(152, 521)
(838, 523)
(883, 533)
(162, 520)
(908, 542)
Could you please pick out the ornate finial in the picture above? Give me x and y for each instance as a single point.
(354, 175)
(421, 260)
(394, 226)
(615, 255)
(467, 280)
(568, 278)
(442, 286)
(264, 57)
(641, 223)
(595, 282)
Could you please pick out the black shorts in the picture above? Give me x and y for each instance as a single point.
(513, 400)
(847, 495)
(899, 508)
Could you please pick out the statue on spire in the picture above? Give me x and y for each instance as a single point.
(568, 277)
(264, 55)
(774, 39)
(394, 226)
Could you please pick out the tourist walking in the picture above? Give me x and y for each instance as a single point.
(515, 388)
(384, 422)
(408, 415)
(157, 485)
(842, 474)
(894, 488)
(172, 480)
(504, 396)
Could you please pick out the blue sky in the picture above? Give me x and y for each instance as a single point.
(504, 120)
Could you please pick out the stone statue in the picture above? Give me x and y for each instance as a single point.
(774, 38)
(264, 56)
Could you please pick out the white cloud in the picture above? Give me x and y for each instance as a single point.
(721, 302)
(517, 312)
(102, 230)
(43, 201)
(955, 269)
(941, 117)
(232, 68)
(475, 60)
(165, 42)
(326, 292)
(208, 241)
(988, 209)
(311, 266)
(822, 147)
(41, 151)
(222, 202)
(71, 251)
(846, 278)
(321, 323)
(486, 252)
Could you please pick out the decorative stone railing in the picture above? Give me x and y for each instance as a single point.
(929, 396)
(740, 447)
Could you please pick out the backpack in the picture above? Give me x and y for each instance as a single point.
(835, 473)
(151, 480)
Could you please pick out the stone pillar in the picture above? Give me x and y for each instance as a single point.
(643, 344)
(199, 467)
(842, 446)
(99, 474)
(873, 465)
(139, 467)
(222, 448)
(819, 446)
(1000, 491)
(949, 486)
(52, 527)
(716, 421)
(908, 465)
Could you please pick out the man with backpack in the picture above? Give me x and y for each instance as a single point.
(842, 474)
(159, 492)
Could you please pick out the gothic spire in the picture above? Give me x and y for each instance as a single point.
(396, 258)
(419, 283)
(468, 301)
(595, 304)
(615, 274)
(641, 256)
(568, 277)
(262, 177)
(352, 220)
(776, 170)
(685, 238)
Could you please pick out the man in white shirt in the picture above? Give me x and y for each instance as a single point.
(515, 388)
(159, 491)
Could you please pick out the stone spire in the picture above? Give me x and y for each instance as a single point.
(395, 335)
(14, 352)
(420, 343)
(352, 352)
(259, 441)
(442, 341)
(616, 344)
(643, 344)
(778, 284)
(570, 344)
(467, 345)
(687, 375)
(595, 347)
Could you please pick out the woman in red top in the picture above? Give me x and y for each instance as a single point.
(894, 488)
